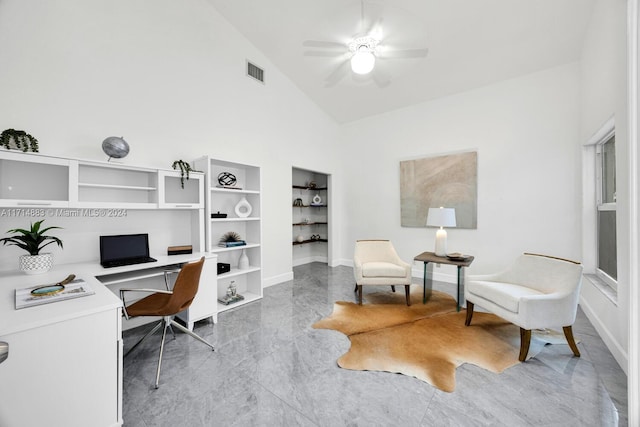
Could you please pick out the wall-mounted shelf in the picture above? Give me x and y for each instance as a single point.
(77, 183)
(304, 242)
(302, 187)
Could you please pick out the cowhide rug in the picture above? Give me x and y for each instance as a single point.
(424, 341)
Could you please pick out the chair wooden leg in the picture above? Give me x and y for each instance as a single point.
(359, 294)
(568, 333)
(525, 340)
(467, 321)
(393, 288)
(407, 294)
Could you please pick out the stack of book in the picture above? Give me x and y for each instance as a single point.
(232, 244)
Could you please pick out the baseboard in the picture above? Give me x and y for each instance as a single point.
(616, 350)
(274, 280)
(309, 260)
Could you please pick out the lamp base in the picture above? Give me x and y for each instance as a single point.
(441, 242)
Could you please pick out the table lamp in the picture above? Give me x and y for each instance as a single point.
(441, 217)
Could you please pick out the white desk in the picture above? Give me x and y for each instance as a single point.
(65, 358)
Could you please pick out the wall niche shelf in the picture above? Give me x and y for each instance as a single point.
(310, 220)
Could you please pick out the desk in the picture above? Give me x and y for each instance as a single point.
(427, 257)
(67, 355)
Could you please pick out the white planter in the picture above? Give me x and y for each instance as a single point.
(36, 264)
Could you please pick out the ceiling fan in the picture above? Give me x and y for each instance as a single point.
(361, 52)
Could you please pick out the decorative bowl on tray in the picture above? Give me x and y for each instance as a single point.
(456, 256)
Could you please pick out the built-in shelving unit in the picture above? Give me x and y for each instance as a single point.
(310, 217)
(224, 199)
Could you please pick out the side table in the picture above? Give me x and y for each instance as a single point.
(427, 257)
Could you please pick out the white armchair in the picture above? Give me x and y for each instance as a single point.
(536, 291)
(375, 262)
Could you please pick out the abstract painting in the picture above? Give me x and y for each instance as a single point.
(450, 181)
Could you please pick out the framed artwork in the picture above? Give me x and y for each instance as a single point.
(450, 181)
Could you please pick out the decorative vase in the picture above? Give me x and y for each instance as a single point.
(317, 199)
(300, 239)
(243, 261)
(243, 208)
(36, 264)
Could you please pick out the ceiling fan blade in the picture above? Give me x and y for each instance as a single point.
(375, 29)
(406, 53)
(325, 44)
(338, 74)
(322, 54)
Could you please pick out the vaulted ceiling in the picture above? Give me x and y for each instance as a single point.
(471, 43)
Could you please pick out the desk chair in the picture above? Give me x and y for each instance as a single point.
(167, 304)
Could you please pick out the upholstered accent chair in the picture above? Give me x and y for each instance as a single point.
(535, 292)
(376, 262)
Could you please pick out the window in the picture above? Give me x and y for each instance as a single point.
(606, 268)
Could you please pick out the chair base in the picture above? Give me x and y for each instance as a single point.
(167, 322)
(407, 293)
(525, 336)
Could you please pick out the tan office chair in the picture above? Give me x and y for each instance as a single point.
(376, 262)
(167, 304)
(535, 292)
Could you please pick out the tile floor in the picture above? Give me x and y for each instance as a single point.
(270, 368)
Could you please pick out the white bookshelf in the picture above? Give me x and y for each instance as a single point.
(224, 200)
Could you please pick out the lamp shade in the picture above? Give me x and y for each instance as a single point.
(441, 217)
(362, 61)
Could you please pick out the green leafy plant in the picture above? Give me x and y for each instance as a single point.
(32, 240)
(185, 168)
(10, 138)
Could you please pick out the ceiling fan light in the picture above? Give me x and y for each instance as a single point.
(362, 62)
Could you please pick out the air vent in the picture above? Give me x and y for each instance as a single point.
(255, 72)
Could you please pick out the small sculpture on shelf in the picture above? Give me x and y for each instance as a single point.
(232, 295)
(232, 290)
(115, 147)
(231, 239)
(228, 180)
(317, 200)
(298, 202)
(243, 208)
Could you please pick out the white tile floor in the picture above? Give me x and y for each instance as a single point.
(270, 368)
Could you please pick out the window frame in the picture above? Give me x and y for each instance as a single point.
(604, 136)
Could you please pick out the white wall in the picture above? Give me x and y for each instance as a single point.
(604, 94)
(168, 76)
(525, 131)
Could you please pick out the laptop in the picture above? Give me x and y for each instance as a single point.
(124, 249)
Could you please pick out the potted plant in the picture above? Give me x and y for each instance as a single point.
(33, 241)
(18, 139)
(185, 168)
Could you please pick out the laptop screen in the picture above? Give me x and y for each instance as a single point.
(123, 247)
